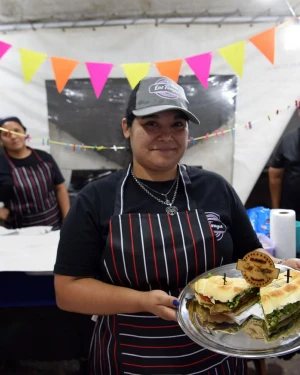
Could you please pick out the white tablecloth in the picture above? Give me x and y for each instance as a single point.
(28, 253)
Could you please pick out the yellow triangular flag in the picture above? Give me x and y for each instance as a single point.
(30, 61)
(136, 72)
(234, 55)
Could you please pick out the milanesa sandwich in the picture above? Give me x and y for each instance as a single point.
(230, 297)
(217, 304)
(280, 302)
(217, 322)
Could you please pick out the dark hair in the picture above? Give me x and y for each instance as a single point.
(129, 119)
(13, 119)
(131, 106)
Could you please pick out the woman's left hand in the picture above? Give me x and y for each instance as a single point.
(293, 262)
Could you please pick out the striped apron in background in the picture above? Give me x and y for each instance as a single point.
(34, 200)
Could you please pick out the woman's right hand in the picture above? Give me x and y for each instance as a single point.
(160, 304)
(4, 213)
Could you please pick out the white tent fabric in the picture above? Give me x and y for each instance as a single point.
(22, 11)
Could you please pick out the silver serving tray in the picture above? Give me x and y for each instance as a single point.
(238, 345)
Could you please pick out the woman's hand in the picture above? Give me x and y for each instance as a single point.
(160, 304)
(4, 213)
(292, 262)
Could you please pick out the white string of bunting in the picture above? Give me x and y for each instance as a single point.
(192, 140)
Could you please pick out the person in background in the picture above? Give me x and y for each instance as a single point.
(284, 173)
(133, 240)
(31, 184)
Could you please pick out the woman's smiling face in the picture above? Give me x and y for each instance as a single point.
(158, 141)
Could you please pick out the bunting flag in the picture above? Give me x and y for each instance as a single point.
(99, 73)
(200, 65)
(62, 69)
(4, 47)
(30, 61)
(234, 55)
(265, 42)
(170, 68)
(135, 72)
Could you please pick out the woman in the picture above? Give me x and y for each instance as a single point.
(31, 183)
(133, 240)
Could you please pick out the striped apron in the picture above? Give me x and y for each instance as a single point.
(34, 200)
(147, 252)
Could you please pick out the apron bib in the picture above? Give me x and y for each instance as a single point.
(34, 201)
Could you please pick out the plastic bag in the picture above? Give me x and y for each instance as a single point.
(260, 219)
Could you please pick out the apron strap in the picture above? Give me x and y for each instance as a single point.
(9, 159)
(191, 204)
(119, 204)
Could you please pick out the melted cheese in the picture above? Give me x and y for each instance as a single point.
(214, 287)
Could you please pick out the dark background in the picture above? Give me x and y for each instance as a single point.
(94, 121)
(260, 194)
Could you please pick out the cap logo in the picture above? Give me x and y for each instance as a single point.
(164, 89)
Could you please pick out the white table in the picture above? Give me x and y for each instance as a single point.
(28, 253)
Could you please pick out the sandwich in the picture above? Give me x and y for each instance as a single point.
(280, 302)
(232, 298)
(217, 322)
(216, 304)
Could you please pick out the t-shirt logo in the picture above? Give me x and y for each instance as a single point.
(216, 224)
(164, 89)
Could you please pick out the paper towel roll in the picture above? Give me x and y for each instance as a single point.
(283, 232)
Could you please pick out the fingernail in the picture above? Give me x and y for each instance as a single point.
(175, 303)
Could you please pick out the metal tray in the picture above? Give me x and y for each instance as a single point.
(238, 345)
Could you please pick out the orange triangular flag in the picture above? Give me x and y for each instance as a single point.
(62, 69)
(170, 68)
(265, 42)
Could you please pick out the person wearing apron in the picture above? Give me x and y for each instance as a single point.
(284, 173)
(133, 240)
(36, 194)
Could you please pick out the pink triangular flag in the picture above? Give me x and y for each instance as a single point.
(99, 73)
(200, 64)
(4, 47)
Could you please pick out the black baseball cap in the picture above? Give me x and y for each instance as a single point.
(12, 118)
(157, 94)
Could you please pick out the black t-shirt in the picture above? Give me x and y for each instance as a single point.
(6, 179)
(287, 157)
(85, 230)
